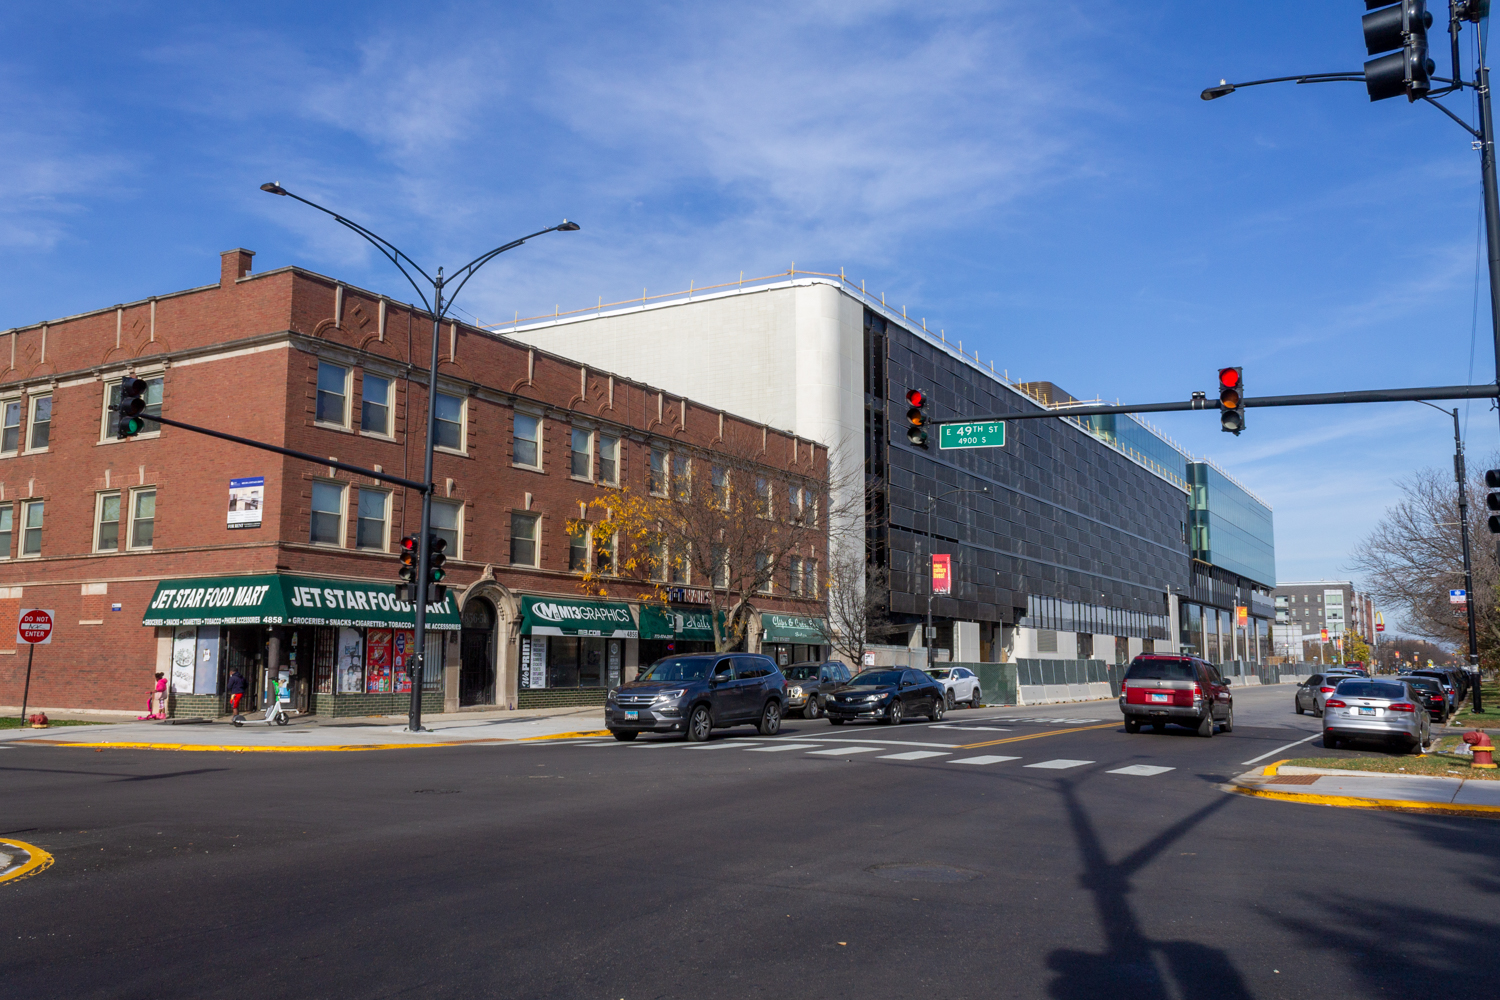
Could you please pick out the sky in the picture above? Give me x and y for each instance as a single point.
(1041, 181)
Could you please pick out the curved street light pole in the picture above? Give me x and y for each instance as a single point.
(438, 306)
(927, 630)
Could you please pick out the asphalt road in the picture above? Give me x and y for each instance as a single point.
(746, 867)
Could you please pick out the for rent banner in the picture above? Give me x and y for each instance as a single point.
(942, 574)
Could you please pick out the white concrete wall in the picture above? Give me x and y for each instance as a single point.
(966, 642)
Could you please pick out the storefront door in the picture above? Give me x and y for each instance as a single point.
(476, 672)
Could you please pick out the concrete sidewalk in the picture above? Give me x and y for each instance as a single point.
(1372, 790)
(316, 733)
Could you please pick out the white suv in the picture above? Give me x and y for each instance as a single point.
(961, 683)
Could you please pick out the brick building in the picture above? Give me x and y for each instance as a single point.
(179, 553)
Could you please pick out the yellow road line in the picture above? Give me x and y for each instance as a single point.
(1270, 770)
(40, 861)
(1037, 736)
(564, 736)
(1351, 802)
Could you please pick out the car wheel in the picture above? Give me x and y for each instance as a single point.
(895, 712)
(1317, 712)
(811, 710)
(976, 699)
(700, 724)
(1132, 726)
(623, 735)
(770, 719)
(940, 706)
(948, 700)
(1206, 724)
(1330, 742)
(1415, 746)
(835, 722)
(1229, 720)
(1297, 704)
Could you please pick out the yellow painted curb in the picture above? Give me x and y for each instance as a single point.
(1351, 802)
(564, 736)
(40, 861)
(340, 748)
(1037, 736)
(1270, 770)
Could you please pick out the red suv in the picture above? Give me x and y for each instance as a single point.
(1161, 688)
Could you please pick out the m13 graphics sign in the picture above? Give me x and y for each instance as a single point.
(942, 574)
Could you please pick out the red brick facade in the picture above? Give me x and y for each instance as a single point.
(243, 356)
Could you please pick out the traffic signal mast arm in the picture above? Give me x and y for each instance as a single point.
(1200, 402)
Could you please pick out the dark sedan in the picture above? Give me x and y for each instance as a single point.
(886, 695)
(1431, 693)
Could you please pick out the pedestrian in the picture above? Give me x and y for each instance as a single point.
(156, 701)
(237, 688)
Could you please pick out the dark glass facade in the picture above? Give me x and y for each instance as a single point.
(1230, 528)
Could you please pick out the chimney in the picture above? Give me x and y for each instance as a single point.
(235, 264)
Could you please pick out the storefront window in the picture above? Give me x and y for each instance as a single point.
(1211, 635)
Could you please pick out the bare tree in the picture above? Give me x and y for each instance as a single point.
(857, 595)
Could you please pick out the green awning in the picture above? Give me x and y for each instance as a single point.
(554, 616)
(658, 622)
(277, 599)
(793, 628)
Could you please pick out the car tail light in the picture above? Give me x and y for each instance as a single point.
(1197, 693)
(1335, 703)
(1326, 690)
(1401, 706)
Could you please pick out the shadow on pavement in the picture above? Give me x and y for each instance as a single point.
(1134, 965)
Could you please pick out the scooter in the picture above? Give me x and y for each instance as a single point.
(276, 712)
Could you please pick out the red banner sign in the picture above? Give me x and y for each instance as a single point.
(942, 574)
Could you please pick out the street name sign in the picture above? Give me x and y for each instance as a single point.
(984, 434)
(35, 626)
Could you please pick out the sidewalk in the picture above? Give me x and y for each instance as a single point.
(310, 733)
(1371, 790)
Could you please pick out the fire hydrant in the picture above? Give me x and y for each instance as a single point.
(37, 721)
(1483, 749)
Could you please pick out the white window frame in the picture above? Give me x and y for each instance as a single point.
(619, 451)
(31, 404)
(540, 434)
(680, 486)
(9, 535)
(456, 549)
(120, 517)
(613, 569)
(390, 404)
(463, 424)
(666, 471)
(131, 520)
(348, 371)
(768, 586)
(385, 519)
(536, 538)
(588, 433)
(794, 576)
(685, 561)
(313, 512)
(109, 420)
(26, 506)
(19, 400)
(661, 555)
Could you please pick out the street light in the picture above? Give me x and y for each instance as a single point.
(1460, 474)
(438, 306)
(927, 569)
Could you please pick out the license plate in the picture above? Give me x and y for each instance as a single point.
(631, 713)
(1367, 711)
(1161, 697)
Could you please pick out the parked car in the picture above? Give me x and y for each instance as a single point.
(961, 683)
(693, 695)
(1313, 692)
(1449, 682)
(1429, 691)
(1375, 709)
(808, 685)
(1161, 688)
(887, 694)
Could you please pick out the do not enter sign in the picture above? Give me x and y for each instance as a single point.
(35, 626)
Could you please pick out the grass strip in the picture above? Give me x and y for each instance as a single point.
(1442, 762)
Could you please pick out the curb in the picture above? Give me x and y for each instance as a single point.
(1351, 802)
(336, 748)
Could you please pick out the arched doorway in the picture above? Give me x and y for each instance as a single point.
(476, 673)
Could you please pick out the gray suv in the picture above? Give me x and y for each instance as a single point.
(693, 695)
(808, 685)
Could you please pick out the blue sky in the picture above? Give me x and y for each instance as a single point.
(1040, 180)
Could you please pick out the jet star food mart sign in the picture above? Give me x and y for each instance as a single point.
(289, 600)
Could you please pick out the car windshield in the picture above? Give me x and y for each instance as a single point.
(1160, 670)
(1440, 678)
(801, 672)
(678, 669)
(1371, 689)
(939, 673)
(1425, 683)
(876, 678)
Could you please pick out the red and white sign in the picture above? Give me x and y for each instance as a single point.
(1380, 622)
(942, 574)
(35, 626)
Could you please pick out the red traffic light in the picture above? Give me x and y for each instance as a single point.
(916, 397)
(1229, 378)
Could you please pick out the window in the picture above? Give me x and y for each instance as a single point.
(609, 460)
(328, 514)
(794, 575)
(10, 437)
(682, 477)
(523, 547)
(720, 477)
(583, 455)
(763, 570)
(41, 423)
(810, 578)
(450, 422)
(111, 421)
(680, 566)
(659, 561)
(447, 524)
(31, 528)
(107, 523)
(578, 549)
(794, 503)
(7, 525)
(719, 559)
(333, 395)
(142, 518)
(369, 529)
(604, 556)
(525, 441)
(659, 472)
(375, 405)
(764, 502)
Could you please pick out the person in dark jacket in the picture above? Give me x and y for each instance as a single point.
(237, 689)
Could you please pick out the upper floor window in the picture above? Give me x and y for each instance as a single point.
(719, 560)
(763, 570)
(678, 565)
(41, 422)
(327, 513)
(333, 395)
(720, 476)
(604, 556)
(109, 424)
(370, 528)
(764, 502)
(682, 477)
(107, 523)
(142, 518)
(10, 434)
(609, 460)
(658, 560)
(523, 540)
(31, 528)
(447, 523)
(582, 464)
(7, 527)
(375, 405)
(578, 549)
(450, 422)
(526, 440)
(660, 472)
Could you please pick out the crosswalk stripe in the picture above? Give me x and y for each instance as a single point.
(1061, 764)
(981, 760)
(717, 746)
(839, 751)
(914, 755)
(784, 746)
(1142, 770)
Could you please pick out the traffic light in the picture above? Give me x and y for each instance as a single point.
(435, 559)
(916, 420)
(406, 590)
(132, 404)
(1400, 26)
(1232, 400)
(1492, 499)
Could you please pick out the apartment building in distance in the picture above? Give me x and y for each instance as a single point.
(1305, 610)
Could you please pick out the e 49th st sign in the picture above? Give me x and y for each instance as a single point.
(982, 434)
